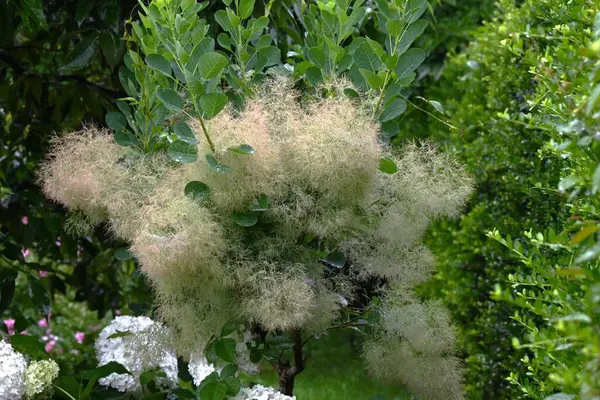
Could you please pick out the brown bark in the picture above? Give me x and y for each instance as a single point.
(287, 372)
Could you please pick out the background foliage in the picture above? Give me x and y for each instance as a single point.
(522, 95)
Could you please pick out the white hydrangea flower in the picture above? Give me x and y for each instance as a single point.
(259, 392)
(147, 346)
(199, 368)
(12, 372)
(39, 377)
(243, 354)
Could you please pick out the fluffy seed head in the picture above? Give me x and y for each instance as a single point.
(79, 168)
(278, 297)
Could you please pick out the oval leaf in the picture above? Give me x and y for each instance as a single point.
(185, 133)
(122, 254)
(393, 109)
(211, 64)
(388, 166)
(116, 121)
(242, 149)
(335, 259)
(245, 220)
(215, 165)
(225, 349)
(197, 190)
(409, 61)
(170, 98)
(182, 152)
(159, 63)
(211, 104)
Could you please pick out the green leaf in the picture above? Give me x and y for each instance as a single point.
(122, 254)
(211, 64)
(211, 104)
(126, 139)
(416, 9)
(242, 149)
(261, 203)
(159, 63)
(149, 376)
(245, 219)
(182, 152)
(392, 110)
(414, 31)
(82, 54)
(233, 385)
(83, 10)
(110, 44)
(374, 81)
(116, 121)
(319, 58)
(596, 180)
(228, 21)
(224, 40)
(214, 391)
(409, 61)
(263, 41)
(268, 56)
(394, 27)
(198, 191)
(366, 58)
(335, 259)
(437, 105)
(105, 370)
(225, 348)
(29, 345)
(119, 334)
(351, 93)
(184, 133)
(170, 98)
(215, 166)
(388, 166)
(228, 371)
(39, 296)
(246, 8)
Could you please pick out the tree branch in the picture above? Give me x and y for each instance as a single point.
(18, 68)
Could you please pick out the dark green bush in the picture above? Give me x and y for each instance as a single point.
(508, 92)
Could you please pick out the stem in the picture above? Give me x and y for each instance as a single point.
(205, 131)
(287, 372)
(427, 112)
(380, 99)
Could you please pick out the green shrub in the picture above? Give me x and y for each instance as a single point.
(507, 92)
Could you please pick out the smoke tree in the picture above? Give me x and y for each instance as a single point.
(259, 197)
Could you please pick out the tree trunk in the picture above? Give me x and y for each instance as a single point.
(287, 372)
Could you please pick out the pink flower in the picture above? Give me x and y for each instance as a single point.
(25, 220)
(117, 312)
(43, 323)
(26, 253)
(50, 345)
(58, 243)
(79, 336)
(25, 333)
(43, 273)
(10, 324)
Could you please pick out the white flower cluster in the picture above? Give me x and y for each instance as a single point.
(39, 378)
(259, 392)
(139, 344)
(243, 354)
(12, 372)
(200, 368)
(17, 380)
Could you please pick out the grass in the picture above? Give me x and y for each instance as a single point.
(334, 371)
